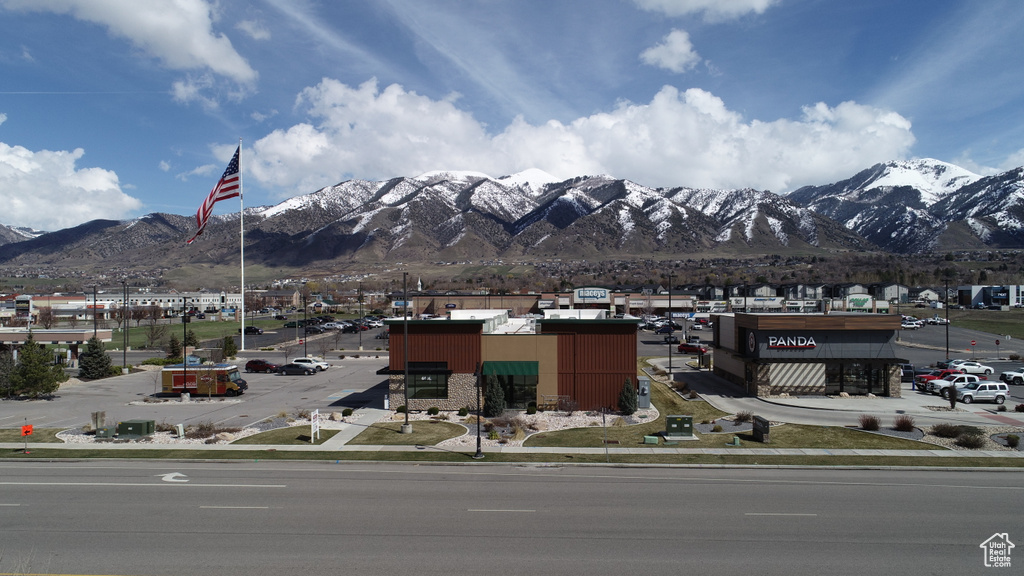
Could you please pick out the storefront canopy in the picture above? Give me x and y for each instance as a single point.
(510, 368)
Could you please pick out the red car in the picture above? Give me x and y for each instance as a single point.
(687, 348)
(936, 375)
(261, 366)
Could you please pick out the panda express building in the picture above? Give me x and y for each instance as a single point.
(569, 355)
(809, 354)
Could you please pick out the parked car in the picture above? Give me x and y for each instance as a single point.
(280, 317)
(293, 369)
(295, 324)
(666, 329)
(259, 365)
(1013, 376)
(311, 329)
(945, 386)
(983, 392)
(907, 373)
(350, 329)
(331, 326)
(687, 348)
(946, 363)
(252, 330)
(972, 367)
(316, 364)
(909, 326)
(671, 339)
(923, 379)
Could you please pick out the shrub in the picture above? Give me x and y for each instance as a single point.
(433, 410)
(904, 423)
(401, 409)
(531, 409)
(1012, 440)
(301, 414)
(627, 398)
(945, 430)
(1018, 408)
(346, 412)
(970, 441)
(463, 412)
(494, 397)
(1015, 357)
(568, 406)
(716, 428)
(1001, 408)
(493, 435)
(869, 422)
(201, 430)
(341, 356)
(694, 395)
(161, 361)
(744, 416)
(443, 416)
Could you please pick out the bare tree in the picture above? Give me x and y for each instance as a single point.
(46, 317)
(155, 331)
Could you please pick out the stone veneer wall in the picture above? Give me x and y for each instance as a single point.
(894, 389)
(461, 393)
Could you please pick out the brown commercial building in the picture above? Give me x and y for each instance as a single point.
(565, 357)
(809, 354)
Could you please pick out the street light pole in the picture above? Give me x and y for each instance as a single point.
(406, 428)
(671, 328)
(479, 384)
(124, 334)
(360, 316)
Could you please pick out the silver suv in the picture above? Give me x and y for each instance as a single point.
(983, 391)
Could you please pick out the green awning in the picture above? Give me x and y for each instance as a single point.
(509, 368)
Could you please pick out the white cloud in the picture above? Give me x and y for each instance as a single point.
(675, 53)
(164, 166)
(713, 10)
(678, 139)
(34, 183)
(255, 30)
(179, 33)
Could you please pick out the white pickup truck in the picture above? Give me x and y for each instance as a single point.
(944, 387)
(1013, 376)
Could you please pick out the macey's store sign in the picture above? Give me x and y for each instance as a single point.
(592, 294)
(791, 342)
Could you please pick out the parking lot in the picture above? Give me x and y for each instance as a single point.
(349, 383)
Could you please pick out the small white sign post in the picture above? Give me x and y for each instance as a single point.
(314, 426)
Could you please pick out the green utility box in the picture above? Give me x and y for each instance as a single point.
(678, 427)
(650, 439)
(105, 432)
(136, 428)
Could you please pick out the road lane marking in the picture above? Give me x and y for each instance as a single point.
(10, 505)
(234, 507)
(141, 484)
(173, 477)
(486, 510)
(776, 514)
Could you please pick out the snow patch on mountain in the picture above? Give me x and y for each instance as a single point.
(933, 178)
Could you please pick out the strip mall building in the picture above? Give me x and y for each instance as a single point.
(579, 356)
(808, 354)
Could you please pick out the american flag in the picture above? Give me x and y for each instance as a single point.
(229, 186)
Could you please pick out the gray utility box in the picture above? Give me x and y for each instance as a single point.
(678, 427)
(105, 432)
(643, 399)
(136, 428)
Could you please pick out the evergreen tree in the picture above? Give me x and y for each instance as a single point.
(230, 348)
(191, 339)
(627, 398)
(174, 347)
(35, 375)
(494, 397)
(7, 367)
(93, 363)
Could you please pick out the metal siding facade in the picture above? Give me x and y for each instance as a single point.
(458, 345)
(593, 364)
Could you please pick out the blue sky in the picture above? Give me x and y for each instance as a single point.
(119, 108)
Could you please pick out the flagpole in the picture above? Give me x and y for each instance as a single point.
(241, 235)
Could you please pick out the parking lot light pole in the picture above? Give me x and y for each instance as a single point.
(360, 328)
(671, 328)
(479, 384)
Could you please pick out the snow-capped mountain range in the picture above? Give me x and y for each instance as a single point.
(901, 206)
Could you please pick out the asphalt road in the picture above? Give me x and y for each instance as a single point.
(273, 518)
